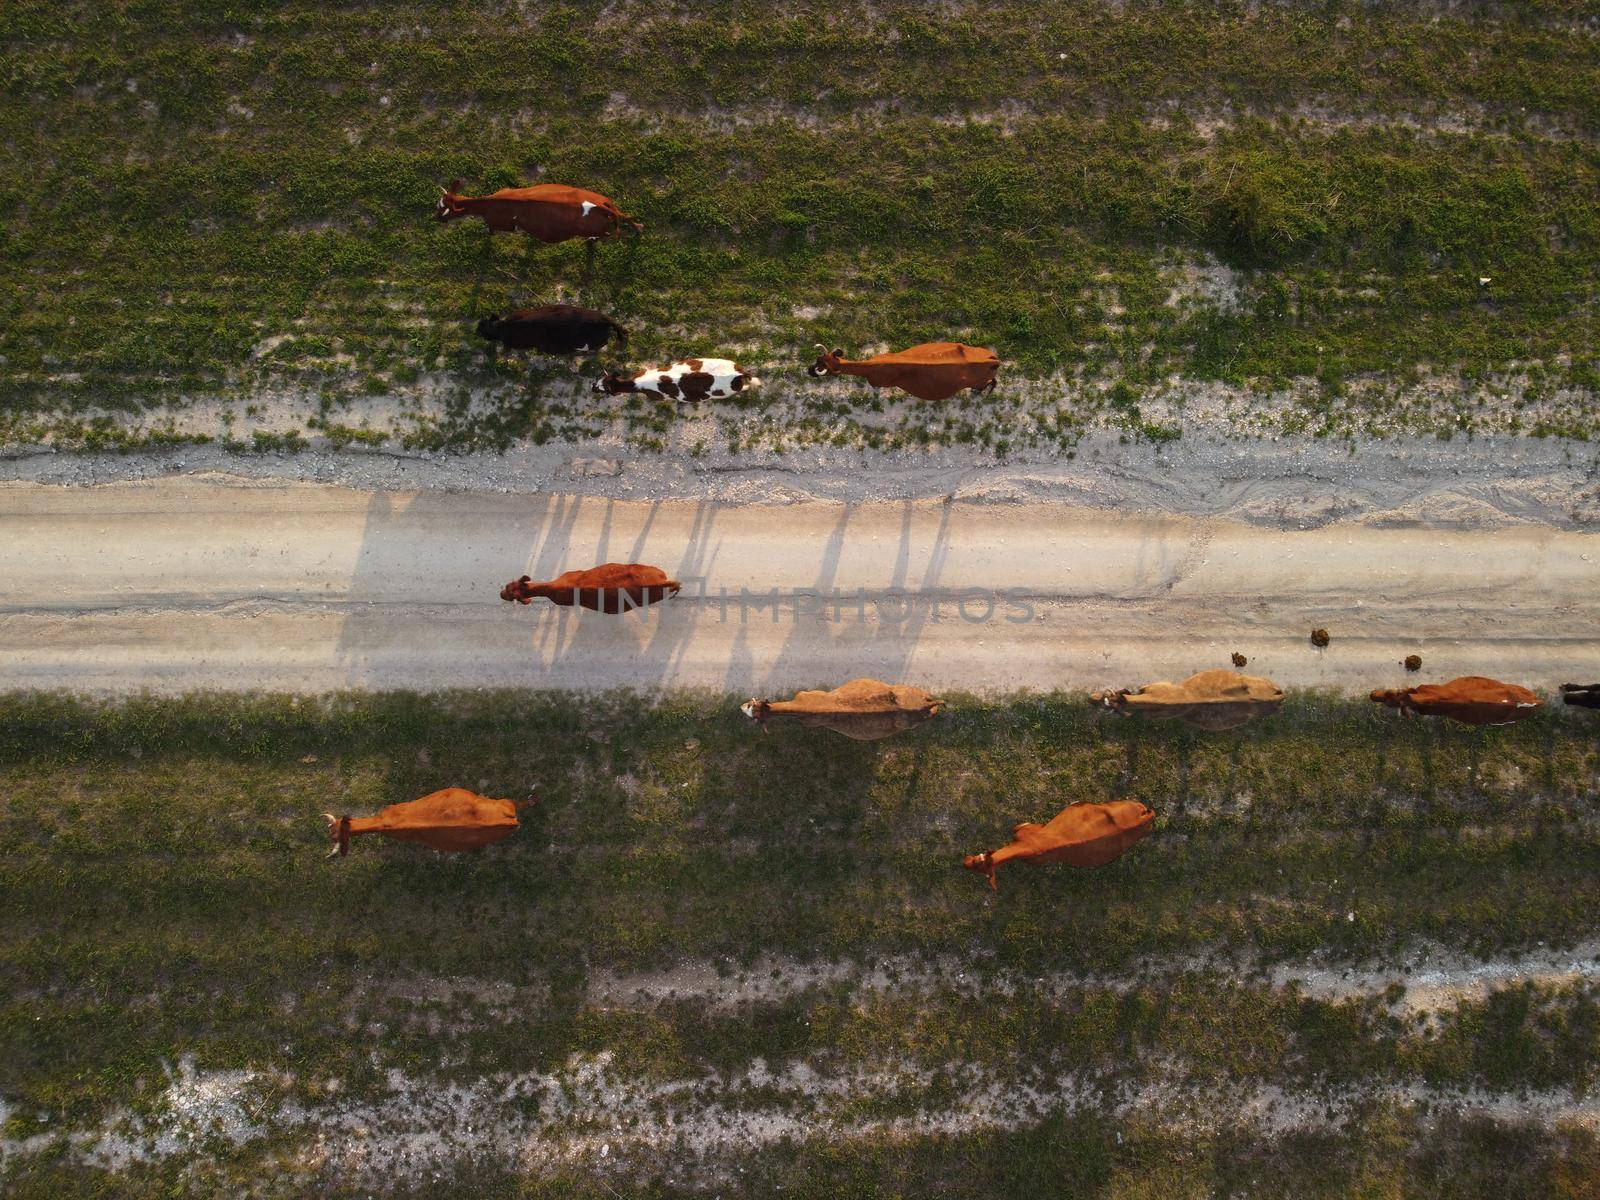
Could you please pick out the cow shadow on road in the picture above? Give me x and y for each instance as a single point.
(838, 634)
(422, 607)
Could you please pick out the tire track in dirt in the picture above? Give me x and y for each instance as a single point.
(586, 1112)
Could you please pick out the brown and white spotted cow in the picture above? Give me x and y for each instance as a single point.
(551, 212)
(932, 371)
(611, 588)
(692, 380)
(1080, 835)
(453, 819)
(1471, 699)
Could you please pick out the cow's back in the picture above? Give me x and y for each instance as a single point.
(1086, 834)
(602, 588)
(933, 371)
(1211, 700)
(554, 329)
(550, 212)
(864, 709)
(451, 819)
(1475, 700)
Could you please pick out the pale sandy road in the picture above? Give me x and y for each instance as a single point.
(201, 583)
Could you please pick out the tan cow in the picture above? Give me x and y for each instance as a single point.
(611, 588)
(932, 371)
(1080, 835)
(551, 212)
(863, 709)
(1210, 700)
(1471, 699)
(451, 820)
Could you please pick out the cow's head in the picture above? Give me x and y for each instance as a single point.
(611, 384)
(1393, 697)
(486, 326)
(339, 832)
(452, 204)
(827, 362)
(519, 589)
(758, 711)
(1115, 701)
(983, 864)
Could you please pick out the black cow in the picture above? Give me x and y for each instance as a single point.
(1585, 695)
(553, 329)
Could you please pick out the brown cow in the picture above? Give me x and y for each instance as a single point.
(1584, 695)
(863, 709)
(1212, 700)
(552, 212)
(452, 820)
(1080, 835)
(599, 589)
(933, 371)
(1471, 699)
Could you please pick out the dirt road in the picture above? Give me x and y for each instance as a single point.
(194, 583)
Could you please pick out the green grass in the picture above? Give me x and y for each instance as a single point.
(188, 182)
(163, 894)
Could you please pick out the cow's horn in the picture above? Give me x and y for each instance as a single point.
(334, 853)
(822, 348)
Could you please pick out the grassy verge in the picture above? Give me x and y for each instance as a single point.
(235, 203)
(1385, 1154)
(165, 899)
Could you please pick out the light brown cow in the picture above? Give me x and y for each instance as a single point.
(933, 371)
(610, 588)
(863, 709)
(551, 212)
(1471, 699)
(1080, 835)
(452, 820)
(1210, 700)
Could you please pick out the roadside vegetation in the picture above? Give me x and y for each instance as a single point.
(1143, 207)
(739, 960)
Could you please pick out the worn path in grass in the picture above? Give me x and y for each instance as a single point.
(193, 583)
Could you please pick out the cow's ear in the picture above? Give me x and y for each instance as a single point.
(838, 351)
(456, 185)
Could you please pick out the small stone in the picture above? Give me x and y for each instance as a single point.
(1319, 638)
(1413, 662)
